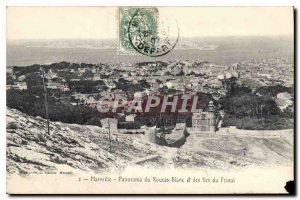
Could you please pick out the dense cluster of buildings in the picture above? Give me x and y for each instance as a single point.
(180, 77)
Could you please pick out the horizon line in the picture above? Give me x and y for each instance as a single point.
(186, 37)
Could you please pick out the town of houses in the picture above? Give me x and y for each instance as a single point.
(180, 77)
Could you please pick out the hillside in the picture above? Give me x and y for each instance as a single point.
(72, 147)
(242, 150)
(69, 146)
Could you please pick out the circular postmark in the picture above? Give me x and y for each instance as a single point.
(151, 34)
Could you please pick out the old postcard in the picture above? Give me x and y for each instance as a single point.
(150, 100)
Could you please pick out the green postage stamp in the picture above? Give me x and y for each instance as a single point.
(144, 31)
(137, 29)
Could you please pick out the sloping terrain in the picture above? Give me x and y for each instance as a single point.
(72, 147)
(267, 150)
(242, 151)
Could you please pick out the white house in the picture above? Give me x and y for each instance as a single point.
(130, 118)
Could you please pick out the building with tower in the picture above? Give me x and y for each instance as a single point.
(203, 125)
(205, 122)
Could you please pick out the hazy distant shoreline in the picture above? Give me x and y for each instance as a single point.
(229, 50)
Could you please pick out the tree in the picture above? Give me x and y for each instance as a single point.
(274, 90)
(33, 80)
(87, 74)
(181, 73)
(167, 73)
(250, 105)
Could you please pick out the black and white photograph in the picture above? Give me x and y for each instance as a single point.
(150, 100)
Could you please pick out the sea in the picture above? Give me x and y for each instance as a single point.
(226, 51)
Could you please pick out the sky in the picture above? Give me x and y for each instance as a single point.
(102, 22)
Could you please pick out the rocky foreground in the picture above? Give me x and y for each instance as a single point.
(86, 148)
